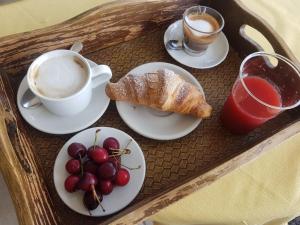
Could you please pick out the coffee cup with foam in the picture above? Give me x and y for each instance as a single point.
(201, 27)
(63, 80)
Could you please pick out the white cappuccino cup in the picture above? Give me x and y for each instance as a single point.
(63, 81)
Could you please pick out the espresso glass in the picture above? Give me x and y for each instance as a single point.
(201, 27)
(267, 85)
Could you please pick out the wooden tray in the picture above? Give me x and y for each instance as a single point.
(124, 35)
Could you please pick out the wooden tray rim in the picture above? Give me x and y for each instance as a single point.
(147, 207)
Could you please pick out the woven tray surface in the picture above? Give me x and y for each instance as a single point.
(169, 163)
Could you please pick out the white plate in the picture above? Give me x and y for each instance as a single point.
(120, 196)
(43, 120)
(154, 124)
(214, 55)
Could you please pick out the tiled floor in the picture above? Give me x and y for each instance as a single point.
(7, 211)
(295, 221)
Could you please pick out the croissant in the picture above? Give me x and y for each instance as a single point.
(163, 90)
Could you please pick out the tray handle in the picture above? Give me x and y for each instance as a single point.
(252, 40)
(13, 172)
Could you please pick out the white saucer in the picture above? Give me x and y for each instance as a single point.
(45, 121)
(155, 124)
(120, 196)
(214, 55)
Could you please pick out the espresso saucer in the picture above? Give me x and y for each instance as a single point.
(156, 124)
(213, 56)
(45, 121)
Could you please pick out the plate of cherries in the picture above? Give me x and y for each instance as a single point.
(99, 171)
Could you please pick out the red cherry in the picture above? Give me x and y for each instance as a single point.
(105, 187)
(122, 177)
(88, 182)
(111, 143)
(71, 183)
(91, 148)
(90, 166)
(91, 199)
(98, 155)
(73, 166)
(116, 160)
(76, 150)
(106, 171)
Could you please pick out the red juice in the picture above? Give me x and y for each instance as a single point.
(242, 113)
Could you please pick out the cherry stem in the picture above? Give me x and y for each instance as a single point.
(97, 198)
(115, 157)
(118, 159)
(135, 168)
(120, 151)
(95, 194)
(96, 136)
(129, 142)
(102, 207)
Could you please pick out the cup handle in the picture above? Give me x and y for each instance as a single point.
(100, 75)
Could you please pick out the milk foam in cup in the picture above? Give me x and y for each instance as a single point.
(63, 81)
(60, 77)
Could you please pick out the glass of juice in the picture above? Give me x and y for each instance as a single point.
(267, 85)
